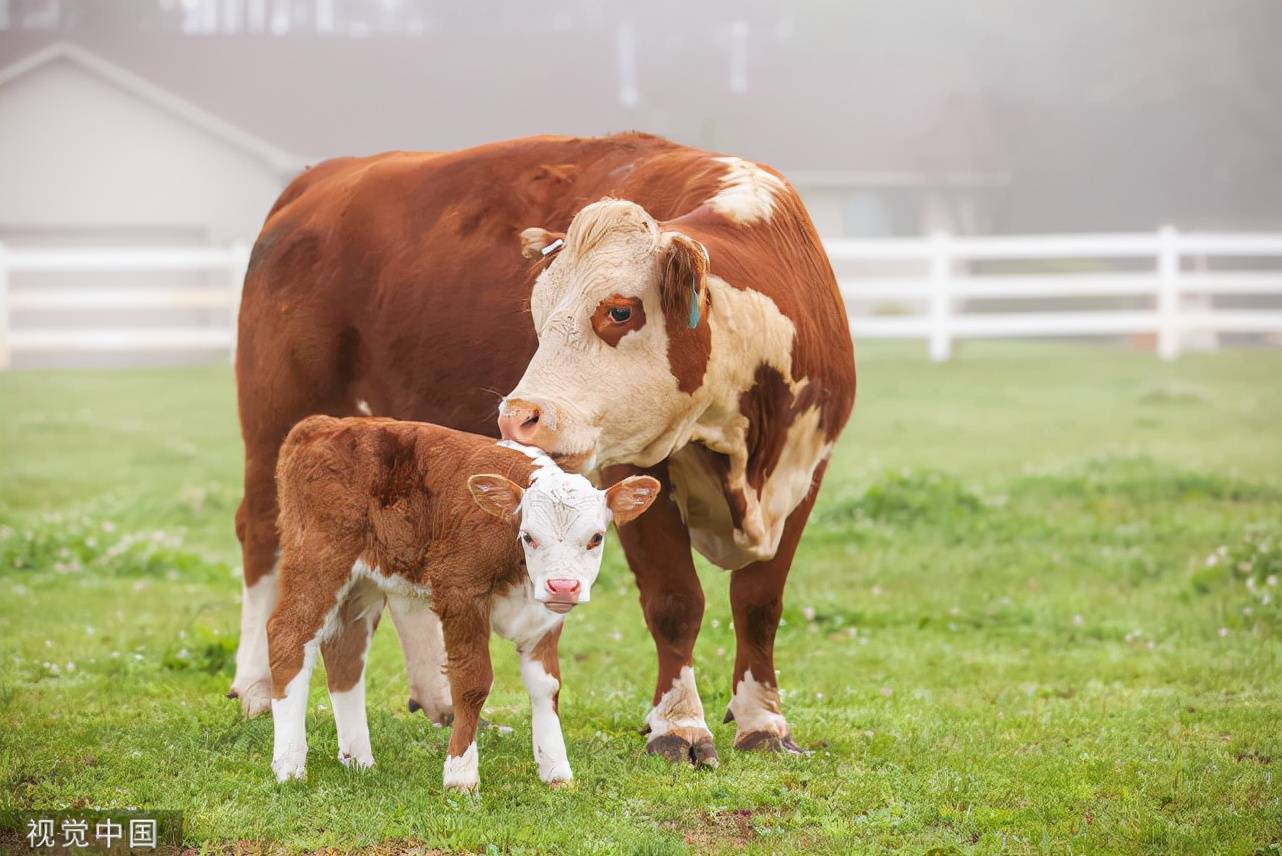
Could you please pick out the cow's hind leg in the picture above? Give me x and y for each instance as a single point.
(345, 651)
(256, 528)
(419, 630)
(657, 546)
(756, 600)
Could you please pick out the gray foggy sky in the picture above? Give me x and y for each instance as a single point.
(1101, 115)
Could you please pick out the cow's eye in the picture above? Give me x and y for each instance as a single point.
(528, 539)
(595, 541)
(620, 314)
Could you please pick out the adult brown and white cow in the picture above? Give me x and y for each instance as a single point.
(689, 327)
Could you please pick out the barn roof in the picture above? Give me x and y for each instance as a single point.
(277, 158)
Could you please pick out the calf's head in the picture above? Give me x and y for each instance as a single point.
(560, 520)
(621, 316)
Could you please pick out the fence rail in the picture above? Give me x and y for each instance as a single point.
(943, 280)
(228, 263)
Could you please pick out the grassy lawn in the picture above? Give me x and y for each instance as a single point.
(1037, 611)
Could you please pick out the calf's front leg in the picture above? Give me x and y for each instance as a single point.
(541, 672)
(467, 646)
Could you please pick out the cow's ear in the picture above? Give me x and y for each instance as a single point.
(495, 494)
(632, 496)
(683, 277)
(536, 242)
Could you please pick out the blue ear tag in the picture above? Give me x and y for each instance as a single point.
(694, 307)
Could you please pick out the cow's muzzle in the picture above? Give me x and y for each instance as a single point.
(538, 424)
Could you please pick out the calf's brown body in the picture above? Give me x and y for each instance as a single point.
(391, 499)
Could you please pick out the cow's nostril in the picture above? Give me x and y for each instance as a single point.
(531, 421)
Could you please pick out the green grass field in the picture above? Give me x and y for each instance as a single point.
(1037, 611)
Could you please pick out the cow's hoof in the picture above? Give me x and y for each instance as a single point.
(255, 699)
(485, 725)
(440, 717)
(363, 761)
(685, 747)
(767, 741)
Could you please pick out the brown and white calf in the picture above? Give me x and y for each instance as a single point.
(424, 517)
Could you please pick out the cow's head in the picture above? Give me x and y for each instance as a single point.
(621, 316)
(560, 520)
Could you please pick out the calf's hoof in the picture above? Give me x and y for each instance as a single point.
(767, 741)
(255, 698)
(685, 746)
(557, 775)
(292, 766)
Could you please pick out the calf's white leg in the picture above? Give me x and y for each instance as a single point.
(549, 742)
(289, 721)
(345, 650)
(353, 727)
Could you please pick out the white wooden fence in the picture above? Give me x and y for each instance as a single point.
(228, 263)
(936, 287)
(1157, 272)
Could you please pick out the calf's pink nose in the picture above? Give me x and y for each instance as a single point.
(564, 589)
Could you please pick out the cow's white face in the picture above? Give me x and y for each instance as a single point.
(561, 520)
(618, 308)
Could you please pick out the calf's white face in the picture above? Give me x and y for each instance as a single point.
(561, 520)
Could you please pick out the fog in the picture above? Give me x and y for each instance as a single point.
(1083, 116)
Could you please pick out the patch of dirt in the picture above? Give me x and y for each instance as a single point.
(733, 826)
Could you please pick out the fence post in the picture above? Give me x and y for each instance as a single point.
(1168, 293)
(238, 263)
(4, 308)
(941, 269)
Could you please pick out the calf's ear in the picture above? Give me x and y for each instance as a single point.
(537, 242)
(683, 275)
(495, 494)
(629, 498)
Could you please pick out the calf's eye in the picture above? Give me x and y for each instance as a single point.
(595, 541)
(620, 314)
(528, 538)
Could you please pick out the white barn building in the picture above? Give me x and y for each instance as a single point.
(94, 156)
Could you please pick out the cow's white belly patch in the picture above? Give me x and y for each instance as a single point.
(749, 331)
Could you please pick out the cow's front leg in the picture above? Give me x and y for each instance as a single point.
(756, 600)
(657, 546)
(467, 646)
(424, 646)
(541, 672)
